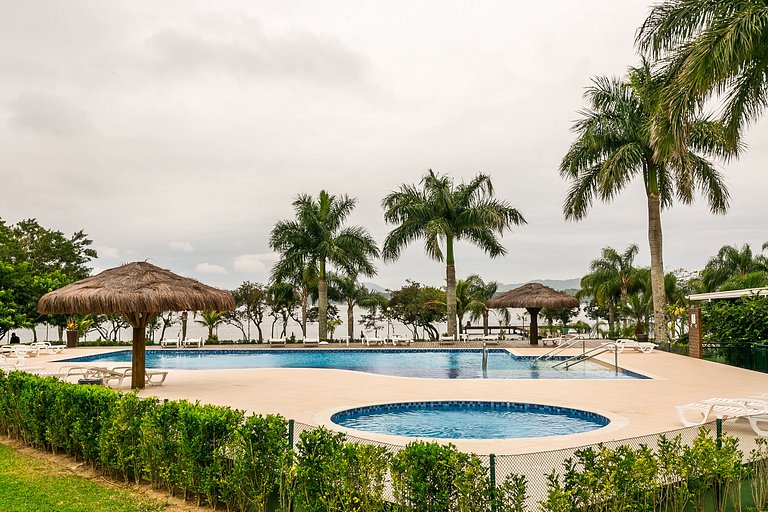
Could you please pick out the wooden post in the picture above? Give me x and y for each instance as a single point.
(695, 333)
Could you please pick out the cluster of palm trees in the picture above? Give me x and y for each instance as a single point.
(617, 291)
(651, 123)
(316, 244)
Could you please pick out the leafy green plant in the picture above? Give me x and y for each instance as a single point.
(511, 494)
(252, 460)
(758, 473)
(431, 477)
(120, 438)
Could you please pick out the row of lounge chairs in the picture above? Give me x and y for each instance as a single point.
(113, 377)
(179, 343)
(754, 409)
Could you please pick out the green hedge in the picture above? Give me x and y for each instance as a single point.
(217, 456)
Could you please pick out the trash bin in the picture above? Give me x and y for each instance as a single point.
(92, 380)
(642, 338)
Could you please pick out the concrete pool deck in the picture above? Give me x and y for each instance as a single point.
(636, 407)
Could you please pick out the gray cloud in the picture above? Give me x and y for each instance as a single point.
(48, 114)
(242, 48)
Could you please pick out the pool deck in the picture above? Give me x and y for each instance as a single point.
(635, 407)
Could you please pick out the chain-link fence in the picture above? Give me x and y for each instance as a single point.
(540, 468)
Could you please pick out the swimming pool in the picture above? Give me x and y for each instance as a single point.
(469, 420)
(410, 362)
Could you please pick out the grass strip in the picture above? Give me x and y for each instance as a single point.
(28, 484)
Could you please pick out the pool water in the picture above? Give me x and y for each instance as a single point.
(469, 420)
(424, 363)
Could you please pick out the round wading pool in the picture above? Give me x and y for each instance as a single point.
(469, 420)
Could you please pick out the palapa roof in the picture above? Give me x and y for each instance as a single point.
(533, 295)
(135, 288)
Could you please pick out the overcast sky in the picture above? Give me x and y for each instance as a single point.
(179, 132)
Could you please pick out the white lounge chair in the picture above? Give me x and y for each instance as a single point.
(193, 342)
(446, 340)
(721, 408)
(171, 342)
(273, 342)
(554, 340)
(151, 377)
(343, 339)
(367, 340)
(399, 339)
(755, 422)
(310, 342)
(645, 347)
(47, 347)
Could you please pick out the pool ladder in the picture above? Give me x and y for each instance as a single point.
(552, 353)
(589, 354)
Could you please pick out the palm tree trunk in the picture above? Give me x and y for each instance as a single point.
(322, 303)
(485, 322)
(450, 287)
(350, 320)
(304, 295)
(657, 268)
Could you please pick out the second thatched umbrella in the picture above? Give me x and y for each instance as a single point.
(139, 291)
(533, 297)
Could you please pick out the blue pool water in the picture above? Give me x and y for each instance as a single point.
(426, 363)
(469, 420)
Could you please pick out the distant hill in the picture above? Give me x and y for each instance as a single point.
(565, 285)
(558, 284)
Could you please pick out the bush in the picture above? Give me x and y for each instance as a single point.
(431, 477)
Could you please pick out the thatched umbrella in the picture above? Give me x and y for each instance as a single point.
(139, 291)
(533, 297)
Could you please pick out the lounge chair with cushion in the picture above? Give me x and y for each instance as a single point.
(273, 342)
(375, 340)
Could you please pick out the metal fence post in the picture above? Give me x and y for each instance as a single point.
(290, 434)
(719, 440)
(492, 464)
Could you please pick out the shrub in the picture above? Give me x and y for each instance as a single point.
(431, 477)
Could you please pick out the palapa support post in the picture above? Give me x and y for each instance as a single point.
(139, 322)
(533, 334)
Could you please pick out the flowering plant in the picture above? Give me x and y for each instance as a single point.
(71, 325)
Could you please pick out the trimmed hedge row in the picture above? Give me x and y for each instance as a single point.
(216, 455)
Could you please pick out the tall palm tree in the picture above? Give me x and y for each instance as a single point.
(731, 262)
(442, 213)
(318, 237)
(614, 145)
(711, 47)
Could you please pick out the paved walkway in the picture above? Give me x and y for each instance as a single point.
(635, 407)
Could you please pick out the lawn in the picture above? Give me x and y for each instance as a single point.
(28, 484)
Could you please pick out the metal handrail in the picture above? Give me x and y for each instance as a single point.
(560, 348)
(591, 354)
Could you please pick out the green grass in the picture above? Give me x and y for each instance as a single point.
(30, 485)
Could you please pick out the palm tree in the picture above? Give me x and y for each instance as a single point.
(442, 213)
(731, 262)
(297, 270)
(354, 294)
(317, 237)
(711, 47)
(614, 145)
(211, 320)
(479, 308)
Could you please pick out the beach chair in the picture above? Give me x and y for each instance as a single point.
(367, 340)
(171, 342)
(446, 340)
(310, 342)
(343, 339)
(151, 377)
(553, 340)
(399, 339)
(756, 422)
(644, 347)
(274, 342)
(193, 342)
(721, 408)
(47, 347)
